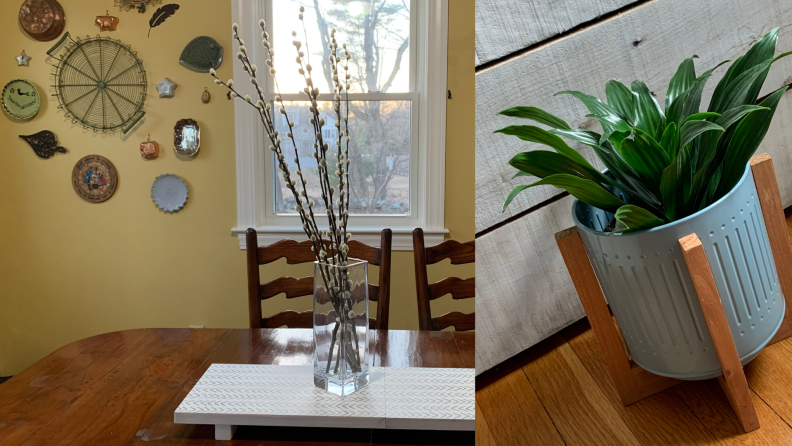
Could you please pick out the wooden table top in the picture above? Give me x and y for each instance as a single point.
(122, 388)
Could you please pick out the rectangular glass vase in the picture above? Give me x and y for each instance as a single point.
(340, 328)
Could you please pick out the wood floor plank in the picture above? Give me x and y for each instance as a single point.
(661, 419)
(483, 435)
(578, 407)
(710, 405)
(511, 408)
(770, 376)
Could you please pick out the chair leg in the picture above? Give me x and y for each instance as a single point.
(733, 380)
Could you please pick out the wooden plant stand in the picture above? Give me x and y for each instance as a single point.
(634, 383)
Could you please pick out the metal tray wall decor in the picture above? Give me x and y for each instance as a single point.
(187, 137)
(43, 20)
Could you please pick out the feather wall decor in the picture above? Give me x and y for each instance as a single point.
(162, 14)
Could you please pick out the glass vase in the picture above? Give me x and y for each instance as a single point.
(340, 328)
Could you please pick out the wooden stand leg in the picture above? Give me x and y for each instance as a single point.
(609, 338)
(773, 211)
(733, 381)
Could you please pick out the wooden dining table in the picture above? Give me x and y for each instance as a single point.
(122, 388)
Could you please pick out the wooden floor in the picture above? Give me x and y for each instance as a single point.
(559, 392)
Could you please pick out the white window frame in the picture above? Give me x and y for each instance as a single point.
(428, 60)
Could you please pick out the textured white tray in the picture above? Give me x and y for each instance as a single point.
(230, 395)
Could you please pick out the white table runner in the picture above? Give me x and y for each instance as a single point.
(230, 395)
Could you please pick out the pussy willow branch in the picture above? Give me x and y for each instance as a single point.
(335, 250)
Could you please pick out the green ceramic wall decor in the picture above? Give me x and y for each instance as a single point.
(202, 54)
(43, 143)
(20, 99)
(100, 83)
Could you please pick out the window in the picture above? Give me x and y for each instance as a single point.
(396, 107)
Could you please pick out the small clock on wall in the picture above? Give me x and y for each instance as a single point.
(20, 99)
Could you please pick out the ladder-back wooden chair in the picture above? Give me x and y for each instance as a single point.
(300, 252)
(459, 253)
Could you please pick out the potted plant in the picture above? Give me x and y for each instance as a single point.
(671, 172)
(340, 360)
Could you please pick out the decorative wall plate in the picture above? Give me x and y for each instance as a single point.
(43, 143)
(107, 22)
(100, 83)
(206, 97)
(202, 54)
(43, 20)
(95, 179)
(169, 192)
(20, 99)
(187, 137)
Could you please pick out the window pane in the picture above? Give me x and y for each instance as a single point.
(376, 33)
(379, 150)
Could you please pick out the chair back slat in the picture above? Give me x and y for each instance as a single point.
(460, 321)
(289, 318)
(288, 285)
(459, 253)
(456, 287)
(300, 252)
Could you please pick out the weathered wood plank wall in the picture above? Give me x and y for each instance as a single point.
(524, 293)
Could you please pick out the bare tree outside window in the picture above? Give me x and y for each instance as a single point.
(377, 34)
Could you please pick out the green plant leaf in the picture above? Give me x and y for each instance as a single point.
(543, 163)
(648, 114)
(520, 173)
(607, 115)
(675, 187)
(742, 90)
(692, 102)
(692, 129)
(535, 134)
(700, 116)
(670, 140)
(621, 99)
(757, 54)
(582, 136)
(682, 80)
(536, 114)
(646, 156)
(748, 134)
(631, 218)
(586, 191)
(733, 115)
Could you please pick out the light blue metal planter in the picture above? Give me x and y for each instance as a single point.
(647, 284)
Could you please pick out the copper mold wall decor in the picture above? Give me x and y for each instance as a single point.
(187, 137)
(95, 179)
(107, 22)
(42, 20)
(149, 150)
(43, 143)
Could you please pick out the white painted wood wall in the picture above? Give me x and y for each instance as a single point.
(523, 291)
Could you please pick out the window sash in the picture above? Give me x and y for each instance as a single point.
(428, 44)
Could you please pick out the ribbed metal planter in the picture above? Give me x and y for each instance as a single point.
(647, 284)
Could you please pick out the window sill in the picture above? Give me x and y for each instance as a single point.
(402, 237)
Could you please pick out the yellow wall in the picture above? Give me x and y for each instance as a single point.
(69, 269)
